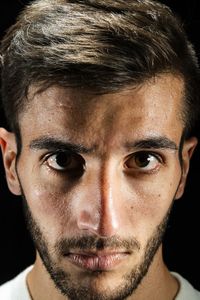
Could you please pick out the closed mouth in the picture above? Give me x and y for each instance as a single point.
(97, 261)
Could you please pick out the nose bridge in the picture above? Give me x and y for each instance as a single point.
(109, 183)
(102, 214)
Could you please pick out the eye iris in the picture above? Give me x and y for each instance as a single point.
(62, 159)
(142, 160)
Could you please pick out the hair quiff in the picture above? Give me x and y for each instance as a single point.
(100, 45)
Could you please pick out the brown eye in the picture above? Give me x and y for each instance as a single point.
(143, 160)
(63, 161)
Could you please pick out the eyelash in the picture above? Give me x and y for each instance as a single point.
(160, 161)
(79, 160)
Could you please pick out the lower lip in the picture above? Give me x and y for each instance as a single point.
(97, 262)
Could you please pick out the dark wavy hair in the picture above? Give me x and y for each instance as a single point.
(98, 45)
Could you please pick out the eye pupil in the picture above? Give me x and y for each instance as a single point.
(142, 160)
(62, 159)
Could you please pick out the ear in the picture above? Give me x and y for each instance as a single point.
(9, 154)
(187, 151)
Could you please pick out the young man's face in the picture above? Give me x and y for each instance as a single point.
(99, 175)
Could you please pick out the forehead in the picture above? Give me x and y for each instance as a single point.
(154, 108)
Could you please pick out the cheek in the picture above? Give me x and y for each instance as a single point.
(150, 200)
(48, 209)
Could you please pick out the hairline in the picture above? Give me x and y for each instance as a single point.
(40, 89)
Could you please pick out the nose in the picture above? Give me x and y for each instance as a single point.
(101, 210)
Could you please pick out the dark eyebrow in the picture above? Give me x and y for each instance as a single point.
(54, 144)
(153, 143)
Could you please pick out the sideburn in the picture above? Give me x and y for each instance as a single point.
(18, 140)
(183, 137)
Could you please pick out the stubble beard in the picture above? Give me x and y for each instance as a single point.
(73, 290)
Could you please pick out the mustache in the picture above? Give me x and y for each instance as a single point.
(96, 243)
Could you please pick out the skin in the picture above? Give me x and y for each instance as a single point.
(119, 195)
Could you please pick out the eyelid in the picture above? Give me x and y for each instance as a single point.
(144, 170)
(50, 153)
(158, 155)
(75, 167)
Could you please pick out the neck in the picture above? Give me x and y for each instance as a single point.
(157, 284)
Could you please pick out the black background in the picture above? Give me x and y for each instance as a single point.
(181, 244)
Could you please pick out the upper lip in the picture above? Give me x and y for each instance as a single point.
(98, 252)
